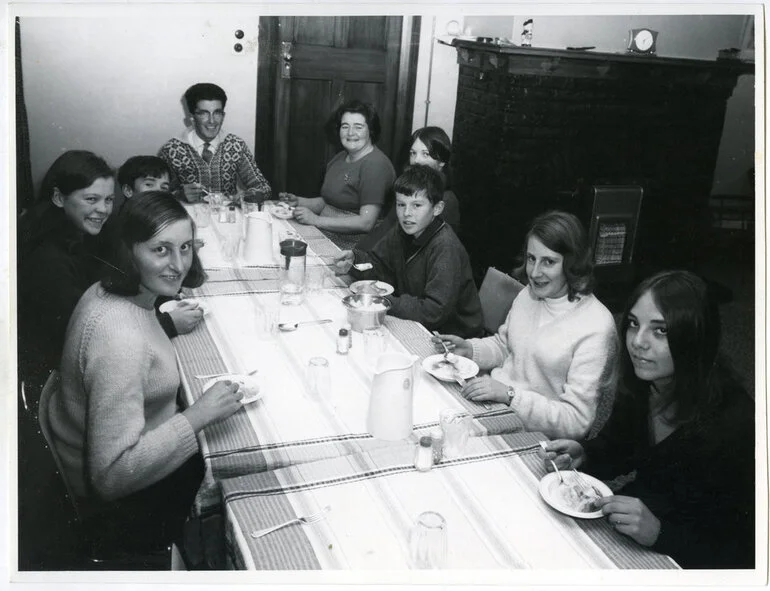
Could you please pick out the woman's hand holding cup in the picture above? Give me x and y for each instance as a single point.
(215, 404)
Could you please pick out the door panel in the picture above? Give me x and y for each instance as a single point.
(317, 63)
(307, 166)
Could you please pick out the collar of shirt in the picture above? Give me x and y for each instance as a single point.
(192, 138)
(413, 245)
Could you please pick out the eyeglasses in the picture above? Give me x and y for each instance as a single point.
(217, 115)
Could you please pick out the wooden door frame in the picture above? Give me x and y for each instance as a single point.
(267, 71)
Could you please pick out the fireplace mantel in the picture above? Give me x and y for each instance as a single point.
(592, 64)
(533, 126)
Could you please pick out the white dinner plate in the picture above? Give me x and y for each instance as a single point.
(466, 368)
(283, 212)
(384, 288)
(170, 305)
(251, 385)
(549, 490)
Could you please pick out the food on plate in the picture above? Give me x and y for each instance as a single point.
(371, 288)
(372, 307)
(578, 498)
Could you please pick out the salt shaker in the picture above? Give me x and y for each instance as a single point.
(347, 326)
(423, 457)
(343, 342)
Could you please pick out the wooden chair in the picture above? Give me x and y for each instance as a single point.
(93, 558)
(497, 292)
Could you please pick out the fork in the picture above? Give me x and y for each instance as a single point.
(303, 520)
(585, 486)
(443, 344)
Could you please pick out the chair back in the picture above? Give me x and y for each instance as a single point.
(52, 385)
(614, 222)
(497, 292)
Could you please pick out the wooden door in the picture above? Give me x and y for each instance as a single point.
(308, 66)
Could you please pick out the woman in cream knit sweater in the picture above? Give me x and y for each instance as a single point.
(554, 358)
(129, 453)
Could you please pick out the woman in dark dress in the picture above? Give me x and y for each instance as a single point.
(682, 427)
(59, 255)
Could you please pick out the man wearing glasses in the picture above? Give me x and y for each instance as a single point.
(204, 159)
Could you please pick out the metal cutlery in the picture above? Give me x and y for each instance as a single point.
(227, 373)
(584, 486)
(558, 473)
(303, 520)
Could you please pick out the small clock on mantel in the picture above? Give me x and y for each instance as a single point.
(642, 41)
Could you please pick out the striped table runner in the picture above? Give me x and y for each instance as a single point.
(495, 516)
(289, 426)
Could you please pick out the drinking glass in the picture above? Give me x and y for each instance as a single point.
(456, 427)
(428, 541)
(202, 214)
(318, 377)
(267, 323)
(230, 243)
(374, 344)
(314, 280)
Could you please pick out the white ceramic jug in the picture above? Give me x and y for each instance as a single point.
(258, 248)
(390, 402)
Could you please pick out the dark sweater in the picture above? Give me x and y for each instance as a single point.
(698, 481)
(431, 276)
(53, 275)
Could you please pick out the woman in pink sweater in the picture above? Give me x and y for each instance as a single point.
(554, 358)
(128, 452)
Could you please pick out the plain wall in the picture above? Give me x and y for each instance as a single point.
(114, 85)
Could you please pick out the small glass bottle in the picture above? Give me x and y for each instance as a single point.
(437, 436)
(347, 326)
(342, 342)
(231, 214)
(423, 457)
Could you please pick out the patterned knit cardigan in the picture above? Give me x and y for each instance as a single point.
(232, 162)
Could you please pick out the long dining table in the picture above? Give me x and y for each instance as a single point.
(292, 451)
(289, 425)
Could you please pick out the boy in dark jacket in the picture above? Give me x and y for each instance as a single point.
(423, 259)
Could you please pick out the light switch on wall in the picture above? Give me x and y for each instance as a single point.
(241, 43)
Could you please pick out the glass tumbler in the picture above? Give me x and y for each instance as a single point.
(202, 214)
(456, 427)
(428, 541)
(318, 377)
(374, 344)
(267, 323)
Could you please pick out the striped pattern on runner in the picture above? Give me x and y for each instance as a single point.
(389, 487)
(623, 551)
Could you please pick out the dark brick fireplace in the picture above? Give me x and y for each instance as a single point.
(535, 129)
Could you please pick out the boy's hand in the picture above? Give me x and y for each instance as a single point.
(343, 262)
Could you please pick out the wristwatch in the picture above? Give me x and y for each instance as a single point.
(511, 393)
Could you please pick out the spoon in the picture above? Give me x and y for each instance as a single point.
(290, 326)
(561, 478)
